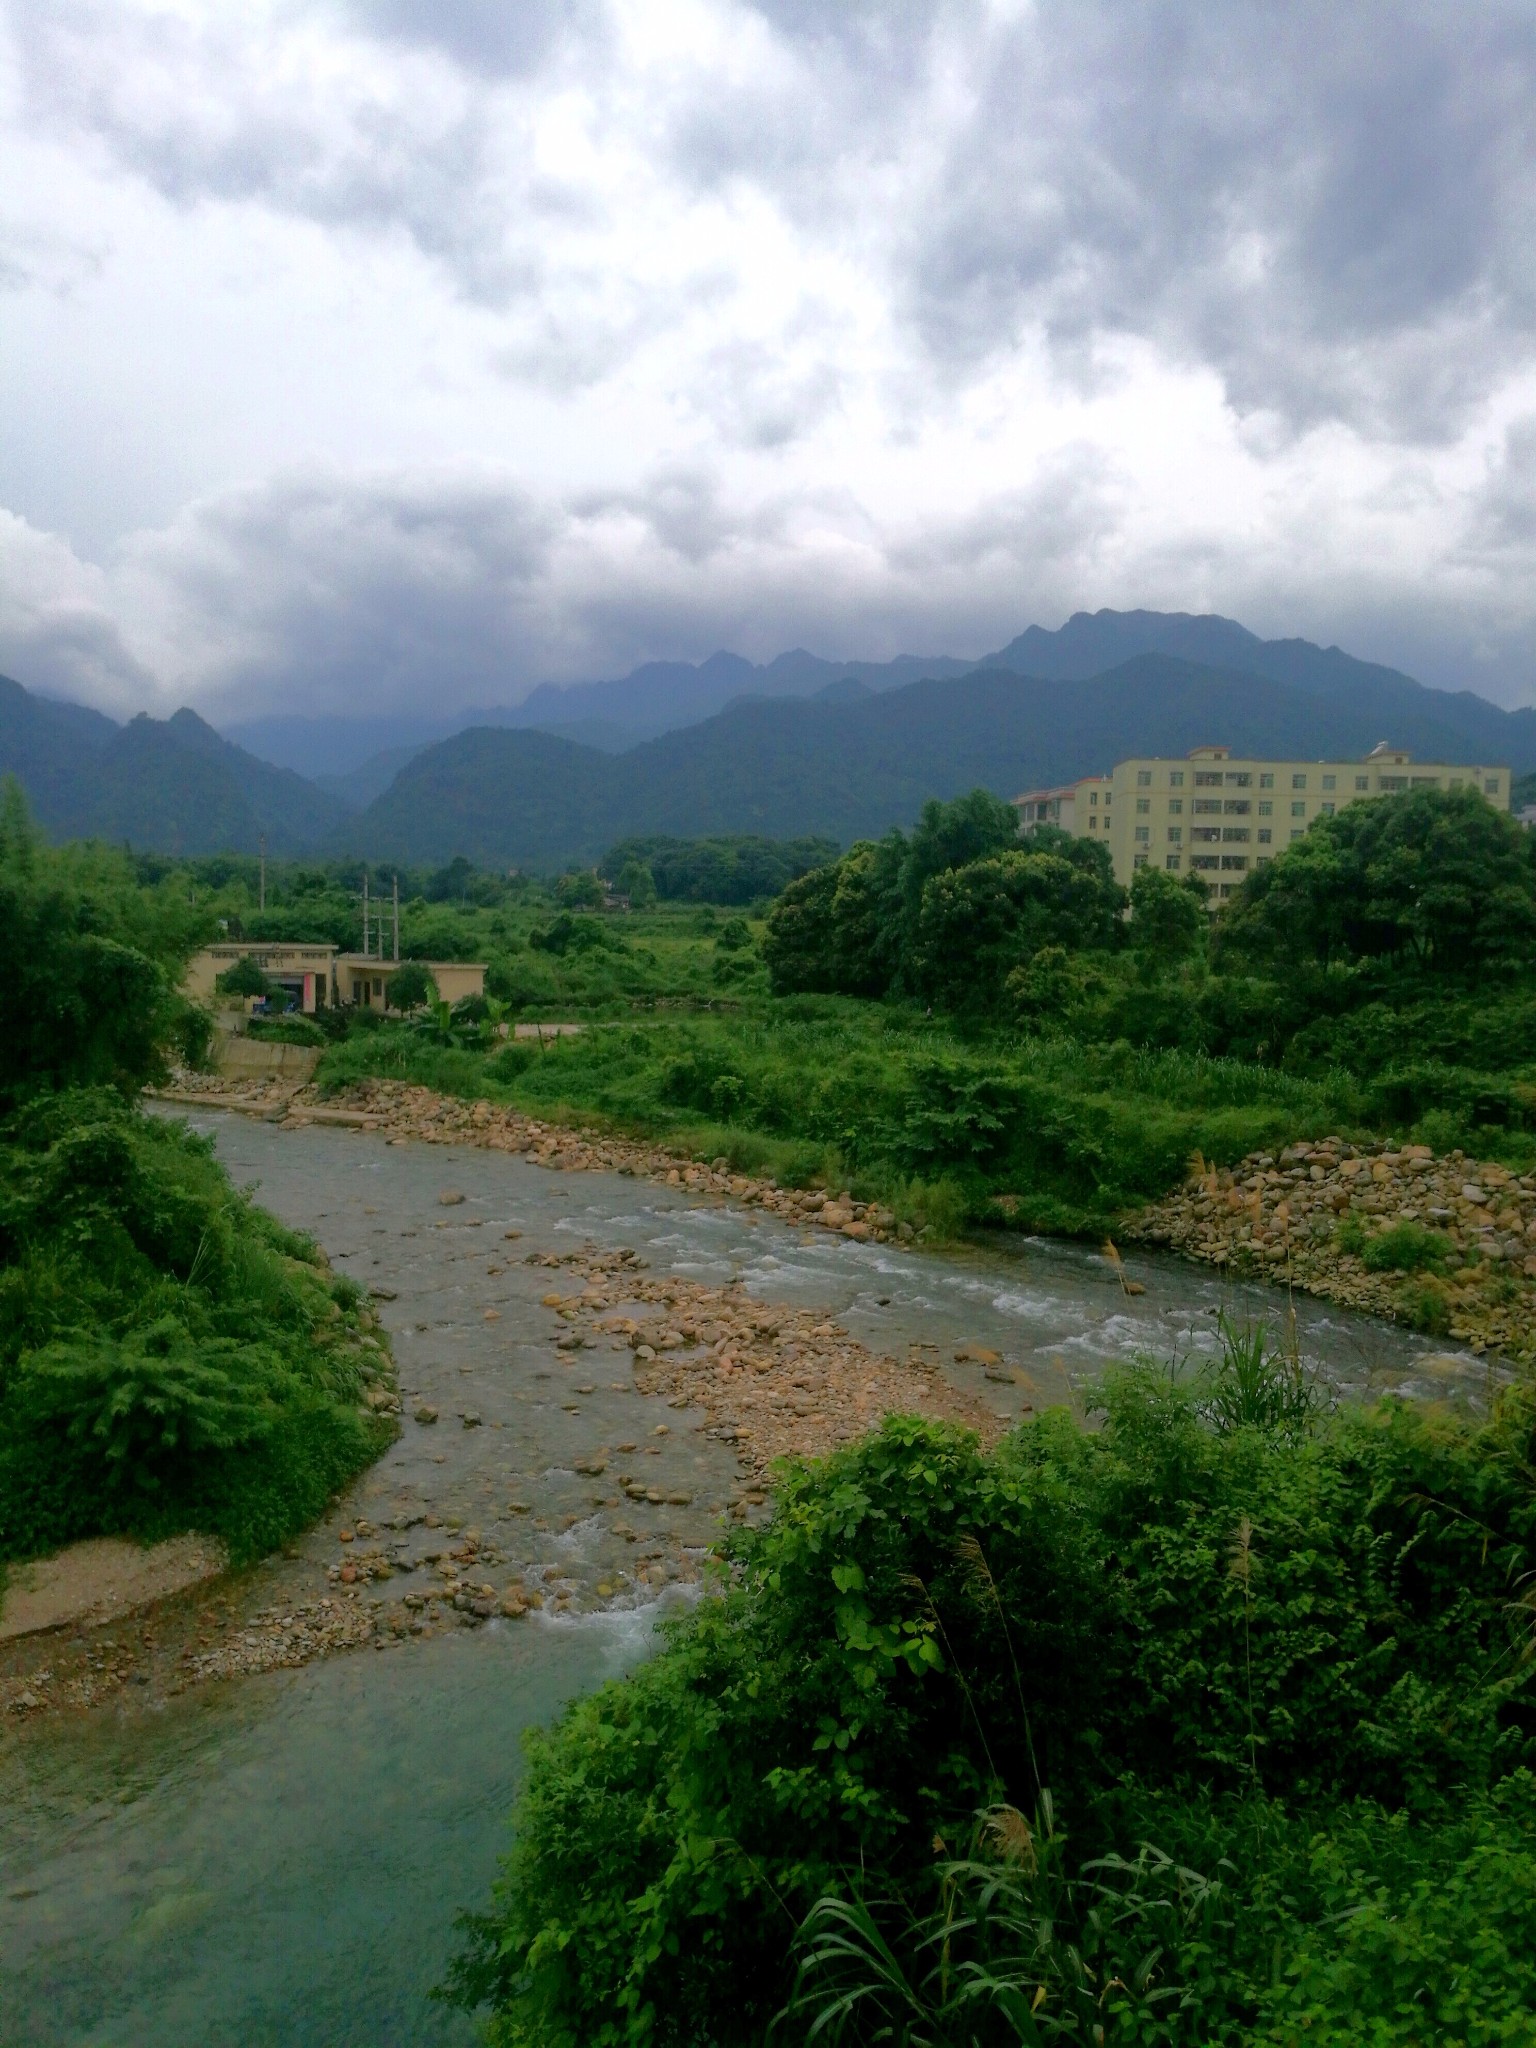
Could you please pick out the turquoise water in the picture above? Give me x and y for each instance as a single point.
(280, 1860)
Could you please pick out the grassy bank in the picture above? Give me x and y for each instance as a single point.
(898, 1107)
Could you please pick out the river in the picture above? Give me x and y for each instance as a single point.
(279, 1858)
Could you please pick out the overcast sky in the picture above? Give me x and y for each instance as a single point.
(397, 354)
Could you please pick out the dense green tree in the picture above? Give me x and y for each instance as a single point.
(410, 986)
(245, 978)
(980, 921)
(1435, 879)
(953, 835)
(78, 1007)
(800, 942)
(583, 891)
(1168, 919)
(636, 881)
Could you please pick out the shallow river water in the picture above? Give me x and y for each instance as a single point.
(278, 1859)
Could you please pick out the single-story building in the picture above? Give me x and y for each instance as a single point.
(362, 978)
(315, 977)
(306, 973)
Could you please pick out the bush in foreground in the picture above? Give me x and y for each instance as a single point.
(1244, 1713)
(170, 1356)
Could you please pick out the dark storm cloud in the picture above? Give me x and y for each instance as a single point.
(1330, 207)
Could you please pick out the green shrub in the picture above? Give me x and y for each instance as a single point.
(1228, 1642)
(170, 1357)
(1406, 1248)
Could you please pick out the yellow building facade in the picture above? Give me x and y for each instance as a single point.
(1220, 816)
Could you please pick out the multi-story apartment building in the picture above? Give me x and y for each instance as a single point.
(1219, 817)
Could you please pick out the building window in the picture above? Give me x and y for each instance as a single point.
(1297, 835)
(1175, 834)
(1139, 861)
(1262, 861)
(1093, 796)
(1205, 832)
(1327, 810)
(1175, 807)
(1229, 888)
(1175, 861)
(1143, 805)
(1204, 860)
(1109, 797)
(1426, 782)
(1234, 860)
(1176, 778)
(1298, 810)
(1206, 781)
(1237, 832)
(1392, 782)
(1265, 835)
(1093, 823)
(1266, 782)
(1298, 782)
(1330, 782)
(1265, 809)
(1143, 778)
(1239, 778)
(1237, 806)
(1206, 806)
(1143, 833)
(1362, 782)
(1491, 786)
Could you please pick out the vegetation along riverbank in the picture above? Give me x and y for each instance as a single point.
(171, 1358)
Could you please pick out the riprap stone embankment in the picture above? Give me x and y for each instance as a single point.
(1308, 1217)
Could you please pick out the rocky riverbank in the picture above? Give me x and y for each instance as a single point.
(1445, 1244)
(398, 1110)
(611, 1501)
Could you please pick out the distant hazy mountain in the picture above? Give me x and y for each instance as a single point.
(799, 746)
(788, 768)
(665, 696)
(169, 785)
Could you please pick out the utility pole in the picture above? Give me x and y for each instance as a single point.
(365, 913)
(397, 917)
(262, 843)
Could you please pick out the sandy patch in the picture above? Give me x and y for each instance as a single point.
(96, 1582)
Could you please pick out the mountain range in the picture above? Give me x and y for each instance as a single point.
(797, 746)
(172, 785)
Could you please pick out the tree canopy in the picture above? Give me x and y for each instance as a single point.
(79, 1007)
(946, 914)
(1437, 878)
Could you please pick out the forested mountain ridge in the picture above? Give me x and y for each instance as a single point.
(170, 785)
(803, 746)
(790, 768)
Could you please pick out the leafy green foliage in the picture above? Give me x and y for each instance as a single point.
(948, 913)
(1437, 877)
(1295, 1663)
(169, 1356)
(1406, 1248)
(245, 978)
(411, 986)
(79, 1006)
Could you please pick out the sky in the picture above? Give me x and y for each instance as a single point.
(391, 356)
